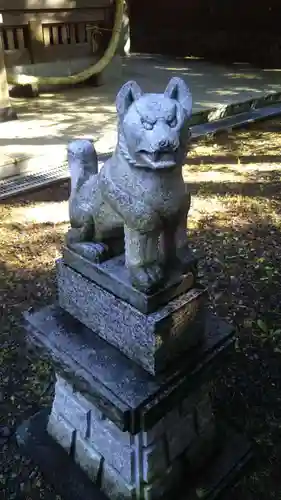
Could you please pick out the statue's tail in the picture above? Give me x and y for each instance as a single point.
(82, 162)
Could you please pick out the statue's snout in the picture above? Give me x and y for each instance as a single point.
(167, 145)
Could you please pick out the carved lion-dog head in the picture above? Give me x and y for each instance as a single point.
(153, 128)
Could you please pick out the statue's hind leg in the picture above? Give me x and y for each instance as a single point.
(175, 241)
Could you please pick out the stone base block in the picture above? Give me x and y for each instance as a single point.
(129, 396)
(134, 435)
(113, 276)
(145, 465)
(72, 483)
(25, 90)
(154, 340)
(7, 114)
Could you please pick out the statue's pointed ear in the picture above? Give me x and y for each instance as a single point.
(178, 90)
(129, 93)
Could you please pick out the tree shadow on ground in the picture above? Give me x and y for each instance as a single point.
(47, 125)
(260, 136)
(256, 184)
(50, 194)
(243, 270)
(257, 144)
(232, 159)
(241, 265)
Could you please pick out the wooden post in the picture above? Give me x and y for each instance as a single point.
(36, 40)
(6, 110)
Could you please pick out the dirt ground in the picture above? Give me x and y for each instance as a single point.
(235, 221)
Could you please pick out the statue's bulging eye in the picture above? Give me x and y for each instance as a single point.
(173, 122)
(147, 125)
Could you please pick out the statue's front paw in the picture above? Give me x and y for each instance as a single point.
(95, 252)
(156, 275)
(147, 279)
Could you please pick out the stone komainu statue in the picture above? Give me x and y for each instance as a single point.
(139, 195)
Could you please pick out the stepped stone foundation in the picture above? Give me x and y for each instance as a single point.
(131, 339)
(130, 466)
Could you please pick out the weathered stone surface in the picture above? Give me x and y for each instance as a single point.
(61, 430)
(180, 434)
(124, 392)
(113, 276)
(179, 424)
(102, 449)
(155, 460)
(119, 461)
(135, 435)
(189, 402)
(155, 432)
(163, 419)
(87, 457)
(61, 471)
(71, 409)
(98, 466)
(113, 485)
(140, 191)
(154, 341)
(99, 433)
(71, 483)
(203, 447)
(164, 484)
(204, 413)
(115, 452)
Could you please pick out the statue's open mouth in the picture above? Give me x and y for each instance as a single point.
(159, 159)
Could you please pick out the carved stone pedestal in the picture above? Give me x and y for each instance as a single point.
(135, 436)
(153, 340)
(127, 465)
(72, 483)
(132, 408)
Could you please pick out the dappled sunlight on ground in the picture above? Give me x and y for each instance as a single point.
(258, 142)
(28, 249)
(46, 124)
(200, 206)
(51, 120)
(32, 228)
(235, 212)
(221, 173)
(235, 223)
(40, 213)
(235, 177)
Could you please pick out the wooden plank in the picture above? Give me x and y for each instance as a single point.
(66, 16)
(72, 33)
(1, 38)
(10, 39)
(20, 38)
(88, 33)
(47, 35)
(11, 5)
(36, 40)
(81, 32)
(55, 35)
(64, 34)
